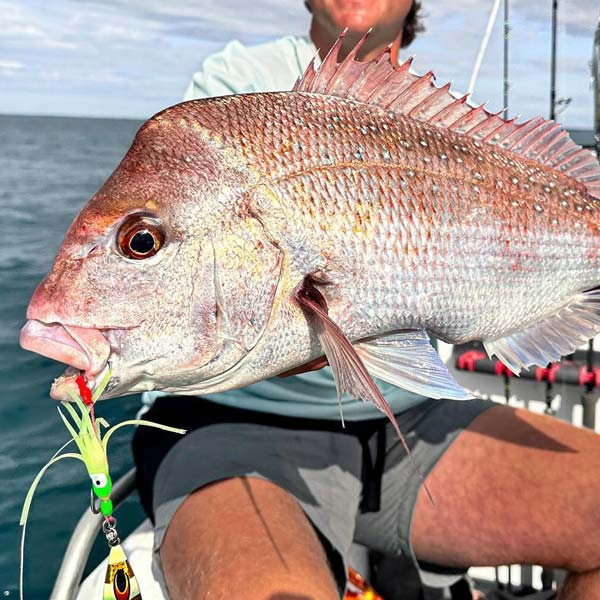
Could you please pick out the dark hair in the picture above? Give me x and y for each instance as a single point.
(412, 23)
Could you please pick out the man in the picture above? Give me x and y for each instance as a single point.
(265, 494)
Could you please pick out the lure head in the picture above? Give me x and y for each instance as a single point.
(101, 484)
(102, 487)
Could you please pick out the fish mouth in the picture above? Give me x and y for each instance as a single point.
(82, 348)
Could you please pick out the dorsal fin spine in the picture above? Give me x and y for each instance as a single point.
(303, 83)
(421, 106)
(559, 143)
(526, 141)
(565, 157)
(467, 117)
(375, 72)
(356, 87)
(582, 168)
(375, 94)
(411, 89)
(347, 63)
(545, 142)
(536, 139)
(489, 136)
(397, 89)
(483, 125)
(329, 66)
(522, 131)
(448, 110)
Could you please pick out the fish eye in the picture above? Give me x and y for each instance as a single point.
(98, 479)
(140, 237)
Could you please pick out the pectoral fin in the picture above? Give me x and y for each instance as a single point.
(349, 372)
(408, 360)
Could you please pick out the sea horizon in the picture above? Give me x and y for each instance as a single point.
(49, 168)
(66, 116)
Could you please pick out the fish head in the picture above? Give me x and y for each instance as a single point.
(163, 277)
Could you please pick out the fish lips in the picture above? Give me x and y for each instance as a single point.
(84, 349)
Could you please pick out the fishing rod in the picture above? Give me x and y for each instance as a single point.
(562, 102)
(588, 399)
(596, 77)
(505, 79)
(569, 372)
(553, 62)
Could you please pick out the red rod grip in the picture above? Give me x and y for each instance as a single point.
(466, 361)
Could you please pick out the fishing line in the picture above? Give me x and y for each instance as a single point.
(85, 431)
(26, 510)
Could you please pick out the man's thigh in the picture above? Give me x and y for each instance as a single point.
(514, 487)
(244, 537)
(210, 497)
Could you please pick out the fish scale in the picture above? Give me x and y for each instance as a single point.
(348, 217)
(459, 201)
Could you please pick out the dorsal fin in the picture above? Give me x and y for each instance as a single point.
(402, 92)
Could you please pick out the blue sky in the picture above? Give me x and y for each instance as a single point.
(131, 58)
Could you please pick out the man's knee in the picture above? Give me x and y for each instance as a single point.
(542, 473)
(244, 534)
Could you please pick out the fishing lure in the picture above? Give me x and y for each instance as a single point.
(120, 582)
(358, 588)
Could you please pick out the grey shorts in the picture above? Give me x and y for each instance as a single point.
(339, 477)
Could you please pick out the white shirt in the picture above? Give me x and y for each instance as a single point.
(237, 69)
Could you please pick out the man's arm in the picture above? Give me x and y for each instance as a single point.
(239, 69)
(222, 74)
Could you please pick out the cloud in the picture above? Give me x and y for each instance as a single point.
(260, 19)
(11, 65)
(454, 33)
(118, 33)
(23, 27)
(576, 17)
(136, 54)
(20, 30)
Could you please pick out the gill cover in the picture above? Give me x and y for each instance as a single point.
(247, 274)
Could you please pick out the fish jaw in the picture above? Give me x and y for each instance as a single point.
(82, 348)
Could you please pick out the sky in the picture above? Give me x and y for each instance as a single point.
(132, 58)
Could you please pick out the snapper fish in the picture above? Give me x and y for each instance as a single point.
(248, 236)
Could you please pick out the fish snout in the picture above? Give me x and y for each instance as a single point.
(84, 349)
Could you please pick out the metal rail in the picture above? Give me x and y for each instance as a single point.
(81, 542)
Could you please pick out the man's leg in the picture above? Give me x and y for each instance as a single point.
(244, 538)
(516, 487)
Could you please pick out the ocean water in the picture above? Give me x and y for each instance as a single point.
(49, 167)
